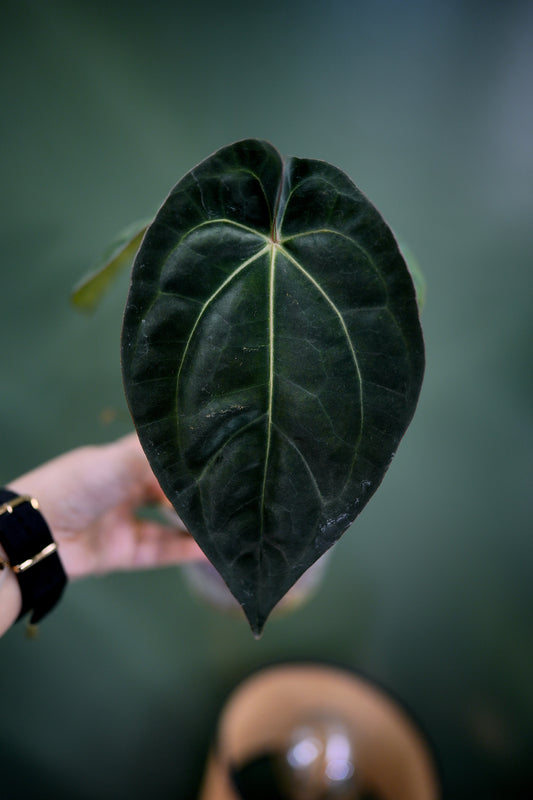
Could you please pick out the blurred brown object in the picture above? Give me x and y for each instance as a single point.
(391, 757)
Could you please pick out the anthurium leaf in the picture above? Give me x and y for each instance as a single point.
(272, 359)
(89, 291)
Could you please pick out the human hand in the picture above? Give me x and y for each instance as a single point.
(89, 499)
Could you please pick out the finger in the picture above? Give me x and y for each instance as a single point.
(158, 546)
(122, 544)
(129, 462)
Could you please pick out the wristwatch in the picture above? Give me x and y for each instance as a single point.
(31, 554)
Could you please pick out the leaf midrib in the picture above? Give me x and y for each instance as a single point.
(274, 246)
(271, 288)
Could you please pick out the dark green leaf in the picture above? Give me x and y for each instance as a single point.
(272, 359)
(119, 255)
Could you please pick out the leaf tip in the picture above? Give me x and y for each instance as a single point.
(256, 621)
(80, 301)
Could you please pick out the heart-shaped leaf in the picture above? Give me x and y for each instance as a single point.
(272, 359)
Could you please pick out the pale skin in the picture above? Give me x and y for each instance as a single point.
(89, 497)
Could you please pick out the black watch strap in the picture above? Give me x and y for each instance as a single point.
(32, 554)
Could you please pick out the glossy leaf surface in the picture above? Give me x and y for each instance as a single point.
(272, 359)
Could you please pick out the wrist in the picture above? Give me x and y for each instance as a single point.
(10, 597)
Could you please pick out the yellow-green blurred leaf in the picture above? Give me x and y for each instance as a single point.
(90, 290)
(416, 274)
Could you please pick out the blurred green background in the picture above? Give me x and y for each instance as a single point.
(428, 106)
